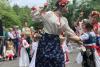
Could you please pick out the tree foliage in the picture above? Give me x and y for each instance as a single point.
(76, 7)
(17, 15)
(23, 13)
(13, 15)
(7, 14)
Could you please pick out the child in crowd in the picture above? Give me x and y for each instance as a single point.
(24, 58)
(10, 52)
(89, 40)
(34, 48)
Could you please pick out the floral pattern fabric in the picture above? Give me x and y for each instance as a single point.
(49, 52)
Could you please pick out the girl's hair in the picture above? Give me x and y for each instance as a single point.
(35, 37)
(87, 24)
(22, 34)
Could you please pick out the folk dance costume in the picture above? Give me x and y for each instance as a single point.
(89, 40)
(24, 58)
(49, 52)
(34, 51)
(10, 50)
(96, 27)
(27, 31)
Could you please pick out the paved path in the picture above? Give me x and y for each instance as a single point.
(14, 63)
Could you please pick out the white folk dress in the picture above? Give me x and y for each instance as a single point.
(24, 58)
(34, 51)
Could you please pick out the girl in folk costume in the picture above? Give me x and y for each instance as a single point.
(27, 31)
(96, 26)
(34, 48)
(94, 15)
(89, 40)
(64, 47)
(49, 51)
(10, 52)
(23, 58)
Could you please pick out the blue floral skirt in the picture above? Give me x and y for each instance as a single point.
(49, 52)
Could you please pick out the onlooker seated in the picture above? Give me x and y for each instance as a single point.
(10, 50)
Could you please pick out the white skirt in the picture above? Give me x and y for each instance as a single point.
(23, 59)
(34, 51)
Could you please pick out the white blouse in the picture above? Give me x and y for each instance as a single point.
(52, 25)
(10, 35)
(85, 36)
(25, 44)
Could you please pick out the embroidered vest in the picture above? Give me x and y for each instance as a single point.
(92, 39)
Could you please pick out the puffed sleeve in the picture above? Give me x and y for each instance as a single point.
(68, 30)
(36, 16)
(25, 44)
(40, 15)
(84, 37)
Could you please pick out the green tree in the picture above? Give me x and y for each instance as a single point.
(95, 4)
(23, 13)
(7, 15)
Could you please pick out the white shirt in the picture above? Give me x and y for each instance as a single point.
(10, 35)
(52, 24)
(34, 51)
(25, 44)
(19, 33)
(85, 36)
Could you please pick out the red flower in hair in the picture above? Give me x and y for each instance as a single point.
(63, 2)
(33, 8)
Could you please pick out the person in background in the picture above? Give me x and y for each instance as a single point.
(89, 41)
(35, 38)
(10, 52)
(27, 31)
(94, 16)
(16, 39)
(23, 57)
(10, 35)
(19, 31)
